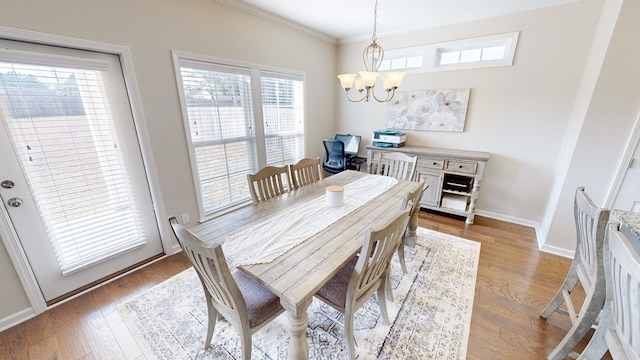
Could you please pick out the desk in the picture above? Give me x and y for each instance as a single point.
(354, 162)
(296, 275)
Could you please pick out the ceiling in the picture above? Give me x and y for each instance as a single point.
(350, 20)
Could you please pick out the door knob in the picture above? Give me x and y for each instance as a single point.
(15, 202)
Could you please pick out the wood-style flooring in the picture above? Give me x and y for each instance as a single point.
(515, 281)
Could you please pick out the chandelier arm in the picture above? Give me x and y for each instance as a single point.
(357, 100)
(390, 94)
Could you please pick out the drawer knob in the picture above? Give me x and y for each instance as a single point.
(460, 166)
(435, 163)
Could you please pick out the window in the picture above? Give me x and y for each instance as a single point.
(480, 52)
(239, 118)
(487, 51)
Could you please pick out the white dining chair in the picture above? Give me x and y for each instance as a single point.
(587, 269)
(396, 164)
(619, 323)
(268, 182)
(244, 303)
(365, 275)
(411, 202)
(305, 172)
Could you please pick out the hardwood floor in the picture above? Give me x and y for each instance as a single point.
(515, 281)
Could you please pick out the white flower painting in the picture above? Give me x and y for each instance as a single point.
(429, 110)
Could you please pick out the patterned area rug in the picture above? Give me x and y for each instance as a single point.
(431, 313)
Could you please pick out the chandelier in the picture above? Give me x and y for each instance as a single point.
(365, 80)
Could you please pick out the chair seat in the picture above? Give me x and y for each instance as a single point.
(261, 303)
(335, 290)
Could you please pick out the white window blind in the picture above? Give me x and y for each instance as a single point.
(59, 122)
(221, 127)
(283, 115)
(226, 145)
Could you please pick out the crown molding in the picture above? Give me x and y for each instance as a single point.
(252, 10)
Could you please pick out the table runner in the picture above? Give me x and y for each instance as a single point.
(265, 241)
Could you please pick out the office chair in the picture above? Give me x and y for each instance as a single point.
(335, 159)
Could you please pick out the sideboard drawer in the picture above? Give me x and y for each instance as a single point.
(431, 163)
(462, 166)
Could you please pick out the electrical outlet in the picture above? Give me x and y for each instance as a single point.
(185, 219)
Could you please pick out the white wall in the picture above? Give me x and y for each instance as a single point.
(605, 114)
(519, 114)
(559, 118)
(152, 28)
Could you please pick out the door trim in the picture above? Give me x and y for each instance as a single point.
(9, 237)
(632, 143)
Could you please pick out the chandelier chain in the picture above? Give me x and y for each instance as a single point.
(375, 22)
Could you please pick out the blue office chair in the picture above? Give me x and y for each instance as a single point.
(335, 159)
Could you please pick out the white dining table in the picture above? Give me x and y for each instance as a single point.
(298, 273)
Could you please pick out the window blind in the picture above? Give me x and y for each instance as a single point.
(220, 119)
(283, 116)
(221, 126)
(60, 125)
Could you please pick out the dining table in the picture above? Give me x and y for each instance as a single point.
(294, 243)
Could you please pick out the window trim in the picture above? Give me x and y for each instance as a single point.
(256, 72)
(508, 40)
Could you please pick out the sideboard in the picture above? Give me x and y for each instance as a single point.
(453, 176)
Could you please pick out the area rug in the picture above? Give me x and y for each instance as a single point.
(430, 315)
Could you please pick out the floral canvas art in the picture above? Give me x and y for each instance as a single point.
(429, 110)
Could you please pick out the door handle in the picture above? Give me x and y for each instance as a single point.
(15, 202)
(7, 184)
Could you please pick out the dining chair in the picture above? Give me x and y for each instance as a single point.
(305, 172)
(587, 269)
(411, 202)
(618, 327)
(268, 182)
(244, 303)
(365, 274)
(396, 164)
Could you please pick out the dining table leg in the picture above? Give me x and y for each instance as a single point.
(298, 322)
(412, 232)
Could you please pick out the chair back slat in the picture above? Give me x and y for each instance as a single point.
(268, 183)
(305, 172)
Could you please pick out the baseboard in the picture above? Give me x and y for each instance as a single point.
(557, 251)
(510, 219)
(16, 318)
(536, 226)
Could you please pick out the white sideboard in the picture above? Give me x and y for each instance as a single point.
(453, 176)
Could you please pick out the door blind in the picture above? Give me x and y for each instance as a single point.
(61, 127)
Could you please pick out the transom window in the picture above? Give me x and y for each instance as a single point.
(479, 52)
(238, 119)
